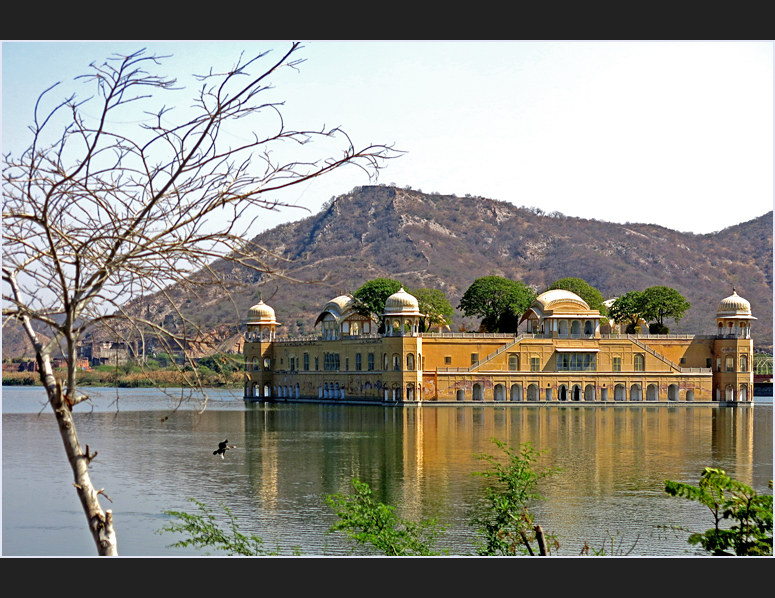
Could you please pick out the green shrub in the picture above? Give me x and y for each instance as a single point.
(729, 500)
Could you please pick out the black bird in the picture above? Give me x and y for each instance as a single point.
(223, 447)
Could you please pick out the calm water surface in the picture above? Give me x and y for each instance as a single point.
(614, 461)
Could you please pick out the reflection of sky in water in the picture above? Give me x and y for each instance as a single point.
(614, 462)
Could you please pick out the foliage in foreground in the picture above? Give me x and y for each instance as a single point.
(369, 522)
(505, 525)
(203, 532)
(503, 520)
(728, 499)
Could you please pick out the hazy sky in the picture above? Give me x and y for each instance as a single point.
(677, 134)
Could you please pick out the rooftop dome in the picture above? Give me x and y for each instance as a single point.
(339, 304)
(261, 313)
(555, 297)
(734, 306)
(402, 303)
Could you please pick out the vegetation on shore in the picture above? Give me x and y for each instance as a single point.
(212, 373)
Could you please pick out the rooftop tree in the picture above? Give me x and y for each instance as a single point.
(371, 297)
(96, 212)
(434, 306)
(627, 309)
(498, 301)
(663, 302)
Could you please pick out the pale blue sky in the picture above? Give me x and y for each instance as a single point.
(673, 133)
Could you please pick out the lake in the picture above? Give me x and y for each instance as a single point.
(613, 460)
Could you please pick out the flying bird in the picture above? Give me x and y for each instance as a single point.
(223, 447)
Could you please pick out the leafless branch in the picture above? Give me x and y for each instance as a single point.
(96, 215)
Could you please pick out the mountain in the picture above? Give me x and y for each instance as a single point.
(446, 242)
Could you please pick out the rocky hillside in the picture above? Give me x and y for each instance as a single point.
(442, 241)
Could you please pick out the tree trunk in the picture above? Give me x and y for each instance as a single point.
(100, 522)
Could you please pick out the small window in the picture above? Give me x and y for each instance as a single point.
(683, 360)
(447, 359)
(730, 366)
(371, 362)
(346, 364)
(306, 362)
(743, 363)
(358, 364)
(513, 363)
(617, 364)
(639, 362)
(317, 364)
(535, 364)
(474, 358)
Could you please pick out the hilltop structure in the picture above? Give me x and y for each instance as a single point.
(560, 356)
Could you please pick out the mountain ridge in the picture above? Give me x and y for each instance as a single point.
(446, 242)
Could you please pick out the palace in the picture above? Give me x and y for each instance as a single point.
(561, 355)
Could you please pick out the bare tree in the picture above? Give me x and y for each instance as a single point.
(94, 215)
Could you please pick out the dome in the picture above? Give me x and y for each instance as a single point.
(734, 306)
(556, 297)
(339, 305)
(261, 313)
(402, 303)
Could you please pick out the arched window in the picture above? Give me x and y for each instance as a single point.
(651, 392)
(499, 392)
(575, 327)
(744, 363)
(513, 363)
(589, 392)
(478, 394)
(532, 392)
(589, 327)
(730, 363)
(635, 392)
(639, 362)
(620, 393)
(397, 362)
(410, 361)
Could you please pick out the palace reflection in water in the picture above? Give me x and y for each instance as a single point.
(613, 460)
(421, 459)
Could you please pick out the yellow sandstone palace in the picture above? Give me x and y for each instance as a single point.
(560, 356)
